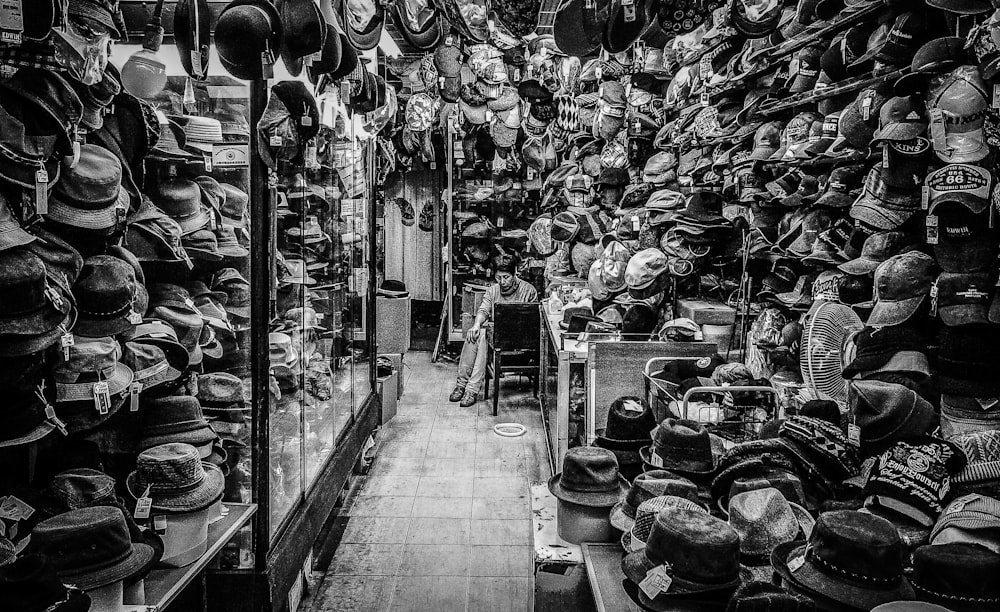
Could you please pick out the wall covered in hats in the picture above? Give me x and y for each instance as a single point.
(187, 233)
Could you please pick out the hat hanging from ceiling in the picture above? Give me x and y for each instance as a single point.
(304, 32)
(193, 36)
(248, 38)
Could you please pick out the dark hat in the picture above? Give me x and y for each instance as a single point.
(248, 37)
(934, 57)
(958, 576)
(34, 305)
(629, 422)
(807, 69)
(963, 298)
(180, 199)
(901, 118)
(887, 413)
(901, 284)
(304, 32)
(91, 362)
(392, 288)
(755, 21)
(646, 486)
(30, 584)
(149, 365)
(330, 55)
(961, 7)
(877, 248)
(589, 477)
(174, 419)
(89, 196)
(874, 347)
(176, 478)
(301, 107)
(626, 22)
(157, 333)
(820, 446)
(91, 547)
(237, 288)
(362, 22)
(106, 297)
(28, 418)
(425, 29)
(193, 36)
(852, 559)
(967, 363)
(913, 478)
(698, 553)
(681, 446)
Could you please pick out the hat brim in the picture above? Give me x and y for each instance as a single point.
(37, 433)
(859, 266)
(873, 212)
(101, 328)
(138, 561)
(591, 499)
(619, 520)
(199, 498)
(195, 437)
(830, 587)
(900, 131)
(635, 566)
(895, 312)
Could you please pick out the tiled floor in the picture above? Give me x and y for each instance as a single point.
(443, 522)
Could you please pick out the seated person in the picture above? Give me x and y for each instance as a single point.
(472, 363)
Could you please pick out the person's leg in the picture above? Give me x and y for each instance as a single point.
(475, 380)
(466, 366)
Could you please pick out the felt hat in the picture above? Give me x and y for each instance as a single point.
(589, 477)
(174, 419)
(35, 305)
(764, 520)
(646, 486)
(89, 196)
(106, 296)
(248, 36)
(362, 21)
(304, 32)
(635, 538)
(177, 479)
(763, 596)
(682, 446)
(93, 371)
(886, 413)
(956, 576)
(193, 36)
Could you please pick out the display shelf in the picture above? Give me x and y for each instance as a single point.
(604, 573)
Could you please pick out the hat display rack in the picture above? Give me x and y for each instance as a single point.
(826, 170)
(125, 224)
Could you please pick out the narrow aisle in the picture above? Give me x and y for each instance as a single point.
(443, 522)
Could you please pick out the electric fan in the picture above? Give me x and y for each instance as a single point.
(826, 327)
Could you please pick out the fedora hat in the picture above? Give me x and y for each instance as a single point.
(635, 538)
(92, 377)
(248, 37)
(28, 418)
(158, 333)
(362, 21)
(193, 36)
(90, 547)
(629, 422)
(646, 486)
(89, 196)
(176, 478)
(237, 289)
(180, 199)
(626, 23)
(35, 309)
(578, 28)
(304, 32)
(106, 297)
(589, 477)
(695, 553)
(853, 559)
(174, 419)
(423, 25)
(30, 584)
(887, 413)
(682, 446)
(149, 364)
(763, 596)
(764, 520)
(220, 391)
(958, 576)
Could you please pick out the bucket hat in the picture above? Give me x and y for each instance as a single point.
(173, 305)
(89, 195)
(106, 297)
(901, 284)
(92, 384)
(36, 310)
(852, 559)
(589, 477)
(177, 479)
(646, 486)
(764, 596)
(248, 37)
(158, 333)
(30, 584)
(887, 413)
(149, 365)
(221, 391)
(697, 554)
(180, 199)
(682, 446)
(918, 494)
(90, 547)
(956, 576)
(28, 418)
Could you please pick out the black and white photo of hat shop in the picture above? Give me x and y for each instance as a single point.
(465, 305)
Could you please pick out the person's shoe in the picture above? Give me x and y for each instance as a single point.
(469, 399)
(456, 394)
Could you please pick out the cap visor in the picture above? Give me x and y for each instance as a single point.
(894, 313)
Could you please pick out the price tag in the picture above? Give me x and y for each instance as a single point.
(66, 341)
(632, 406)
(655, 459)
(306, 121)
(143, 505)
(925, 197)
(50, 416)
(854, 434)
(11, 21)
(133, 394)
(102, 397)
(42, 192)
(704, 98)
(996, 96)
(19, 510)
(134, 318)
(635, 223)
(932, 235)
(275, 141)
(160, 524)
(196, 66)
(656, 581)
(207, 159)
(267, 65)
(310, 156)
(796, 564)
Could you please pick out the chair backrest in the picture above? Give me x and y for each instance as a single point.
(516, 325)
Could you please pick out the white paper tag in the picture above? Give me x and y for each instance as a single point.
(275, 141)
(66, 341)
(795, 564)
(134, 392)
(925, 197)
(306, 121)
(102, 397)
(996, 96)
(11, 21)
(655, 459)
(16, 509)
(134, 318)
(196, 66)
(42, 192)
(632, 406)
(635, 223)
(854, 434)
(656, 581)
(143, 506)
(160, 524)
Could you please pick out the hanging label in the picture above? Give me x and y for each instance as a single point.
(635, 223)
(655, 459)
(143, 505)
(160, 524)
(925, 197)
(996, 96)
(134, 318)
(932, 229)
(207, 158)
(66, 341)
(16, 508)
(796, 564)
(854, 434)
(196, 66)
(133, 393)
(42, 191)
(102, 397)
(50, 416)
(306, 121)
(704, 98)
(275, 140)
(266, 65)
(656, 581)
(11, 21)
(629, 6)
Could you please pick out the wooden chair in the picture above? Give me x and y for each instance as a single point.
(514, 349)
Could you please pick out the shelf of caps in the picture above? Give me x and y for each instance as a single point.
(849, 86)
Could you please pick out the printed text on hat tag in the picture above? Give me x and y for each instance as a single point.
(656, 581)
(143, 505)
(66, 341)
(11, 21)
(854, 434)
(102, 397)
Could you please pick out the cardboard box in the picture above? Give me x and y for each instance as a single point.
(705, 312)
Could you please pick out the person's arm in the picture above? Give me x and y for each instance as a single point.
(485, 311)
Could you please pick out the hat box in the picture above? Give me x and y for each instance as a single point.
(721, 335)
(185, 536)
(576, 523)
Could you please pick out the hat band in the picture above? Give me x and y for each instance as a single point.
(167, 489)
(151, 371)
(957, 598)
(113, 314)
(845, 573)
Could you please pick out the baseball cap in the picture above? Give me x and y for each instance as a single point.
(909, 30)
(904, 162)
(963, 298)
(883, 207)
(901, 118)
(901, 284)
(646, 273)
(934, 57)
(877, 248)
(859, 120)
(957, 110)
(798, 131)
(842, 187)
(565, 226)
(766, 141)
(804, 69)
(965, 184)
(828, 134)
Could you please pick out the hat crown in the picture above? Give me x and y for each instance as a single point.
(171, 415)
(957, 572)
(178, 198)
(763, 518)
(82, 540)
(169, 469)
(904, 276)
(23, 278)
(94, 181)
(220, 388)
(859, 546)
(659, 483)
(94, 358)
(82, 488)
(682, 440)
(105, 288)
(589, 469)
(647, 511)
(699, 547)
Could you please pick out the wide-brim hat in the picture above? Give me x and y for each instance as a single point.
(425, 38)
(304, 32)
(807, 578)
(330, 55)
(242, 39)
(207, 492)
(369, 37)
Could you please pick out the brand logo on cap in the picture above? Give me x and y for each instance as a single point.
(917, 146)
(960, 177)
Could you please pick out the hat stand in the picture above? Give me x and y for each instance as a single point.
(135, 594)
(108, 598)
(576, 523)
(185, 537)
